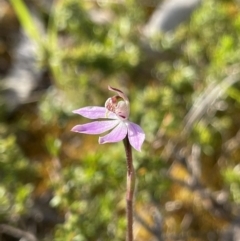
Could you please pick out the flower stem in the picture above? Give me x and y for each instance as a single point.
(130, 189)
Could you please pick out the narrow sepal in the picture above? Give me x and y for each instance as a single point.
(95, 112)
(136, 136)
(96, 127)
(116, 135)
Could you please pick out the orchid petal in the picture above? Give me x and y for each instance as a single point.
(95, 112)
(96, 127)
(136, 135)
(117, 134)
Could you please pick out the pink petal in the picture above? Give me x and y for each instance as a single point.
(117, 134)
(96, 127)
(136, 135)
(95, 112)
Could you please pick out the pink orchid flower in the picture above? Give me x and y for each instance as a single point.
(115, 113)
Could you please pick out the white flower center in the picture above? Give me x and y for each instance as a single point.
(118, 106)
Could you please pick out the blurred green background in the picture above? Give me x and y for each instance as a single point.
(184, 91)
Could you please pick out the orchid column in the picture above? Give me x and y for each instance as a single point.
(116, 113)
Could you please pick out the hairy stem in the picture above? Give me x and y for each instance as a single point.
(130, 189)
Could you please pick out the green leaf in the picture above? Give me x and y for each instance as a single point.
(26, 20)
